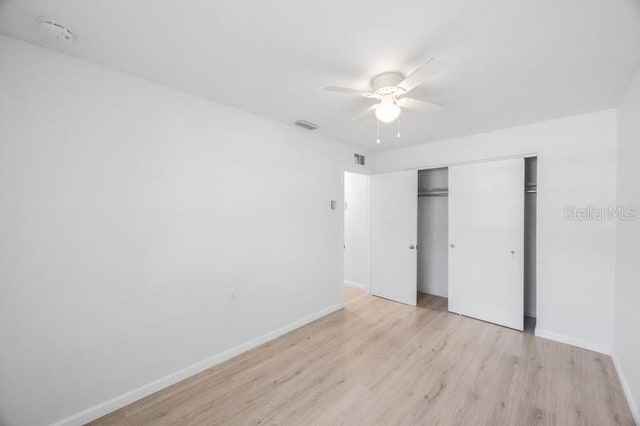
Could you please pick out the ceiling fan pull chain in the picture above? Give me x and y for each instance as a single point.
(378, 130)
(398, 124)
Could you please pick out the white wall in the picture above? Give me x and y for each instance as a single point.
(356, 230)
(129, 212)
(626, 345)
(576, 167)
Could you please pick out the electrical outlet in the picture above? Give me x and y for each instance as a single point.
(232, 294)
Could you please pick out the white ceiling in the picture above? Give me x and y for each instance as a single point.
(514, 61)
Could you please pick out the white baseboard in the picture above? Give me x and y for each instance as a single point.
(127, 398)
(584, 344)
(355, 285)
(626, 389)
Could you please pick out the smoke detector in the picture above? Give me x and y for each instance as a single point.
(54, 29)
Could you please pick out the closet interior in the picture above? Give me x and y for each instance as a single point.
(433, 232)
(530, 208)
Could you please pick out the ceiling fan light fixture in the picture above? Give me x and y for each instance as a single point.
(388, 112)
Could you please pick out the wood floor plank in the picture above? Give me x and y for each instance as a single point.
(381, 363)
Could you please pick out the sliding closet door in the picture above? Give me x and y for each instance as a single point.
(394, 232)
(486, 236)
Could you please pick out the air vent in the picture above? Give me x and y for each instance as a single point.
(306, 125)
(359, 159)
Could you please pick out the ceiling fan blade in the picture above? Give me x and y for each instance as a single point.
(426, 71)
(418, 105)
(365, 112)
(347, 91)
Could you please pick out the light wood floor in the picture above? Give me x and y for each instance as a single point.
(382, 363)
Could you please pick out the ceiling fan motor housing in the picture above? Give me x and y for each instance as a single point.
(387, 84)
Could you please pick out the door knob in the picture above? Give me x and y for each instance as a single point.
(452, 245)
(412, 247)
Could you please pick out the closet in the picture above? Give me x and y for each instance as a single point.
(467, 233)
(435, 243)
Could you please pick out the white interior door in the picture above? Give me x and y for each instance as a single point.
(394, 233)
(486, 236)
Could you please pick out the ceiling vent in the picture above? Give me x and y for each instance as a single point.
(55, 30)
(359, 159)
(306, 125)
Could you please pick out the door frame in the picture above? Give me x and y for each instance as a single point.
(480, 160)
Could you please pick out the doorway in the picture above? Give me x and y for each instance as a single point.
(356, 230)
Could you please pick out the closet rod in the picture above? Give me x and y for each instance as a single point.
(444, 193)
(433, 193)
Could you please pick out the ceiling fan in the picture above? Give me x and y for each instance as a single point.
(390, 90)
